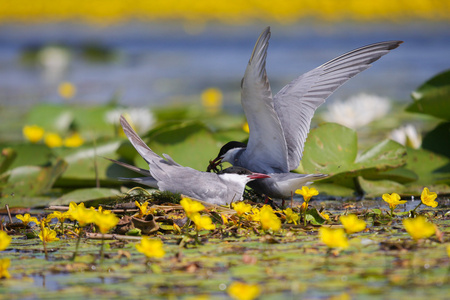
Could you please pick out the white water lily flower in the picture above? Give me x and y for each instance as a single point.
(357, 111)
(407, 135)
(54, 60)
(141, 118)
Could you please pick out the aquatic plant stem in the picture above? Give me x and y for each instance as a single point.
(43, 240)
(304, 213)
(78, 244)
(101, 249)
(414, 210)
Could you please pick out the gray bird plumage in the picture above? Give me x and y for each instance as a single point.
(279, 125)
(167, 175)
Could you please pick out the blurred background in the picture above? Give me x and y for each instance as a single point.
(159, 52)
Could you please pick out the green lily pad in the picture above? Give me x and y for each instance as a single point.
(86, 164)
(30, 155)
(8, 155)
(190, 143)
(33, 180)
(332, 149)
(432, 97)
(90, 194)
(438, 140)
(430, 167)
(378, 187)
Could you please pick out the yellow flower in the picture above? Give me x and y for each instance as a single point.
(73, 141)
(59, 215)
(33, 133)
(67, 90)
(393, 200)
(352, 224)
(303, 207)
(333, 237)
(4, 265)
(53, 140)
(151, 247)
(324, 215)
(448, 251)
(212, 100)
(291, 217)
(243, 291)
(191, 207)
(307, 193)
(81, 214)
(104, 211)
(254, 216)
(241, 208)
(72, 207)
(105, 221)
(143, 209)
(419, 228)
(224, 219)
(202, 222)
(27, 219)
(269, 219)
(48, 235)
(246, 128)
(428, 198)
(5, 240)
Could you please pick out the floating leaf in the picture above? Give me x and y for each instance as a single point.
(438, 140)
(432, 97)
(33, 180)
(88, 194)
(430, 167)
(332, 149)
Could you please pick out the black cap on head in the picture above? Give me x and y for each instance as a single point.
(235, 170)
(229, 146)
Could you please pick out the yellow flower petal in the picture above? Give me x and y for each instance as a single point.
(33, 133)
(241, 208)
(53, 140)
(151, 247)
(352, 224)
(243, 291)
(202, 222)
(105, 222)
(291, 217)
(67, 90)
(5, 240)
(307, 193)
(333, 237)
(48, 235)
(73, 141)
(212, 100)
(190, 206)
(269, 220)
(419, 228)
(428, 198)
(393, 200)
(4, 265)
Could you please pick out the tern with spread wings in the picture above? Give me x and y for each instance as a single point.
(279, 125)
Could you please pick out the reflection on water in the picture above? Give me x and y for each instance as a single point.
(59, 281)
(149, 64)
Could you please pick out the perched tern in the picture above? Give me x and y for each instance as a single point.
(279, 125)
(168, 175)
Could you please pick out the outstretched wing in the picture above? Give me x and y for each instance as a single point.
(266, 149)
(296, 103)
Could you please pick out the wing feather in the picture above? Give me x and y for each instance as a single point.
(296, 103)
(266, 149)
